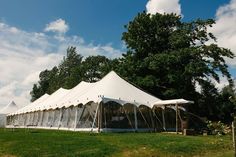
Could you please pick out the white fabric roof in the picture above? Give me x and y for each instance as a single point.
(11, 107)
(27, 108)
(51, 100)
(110, 88)
(78, 90)
(173, 101)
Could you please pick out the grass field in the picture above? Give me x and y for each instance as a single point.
(33, 143)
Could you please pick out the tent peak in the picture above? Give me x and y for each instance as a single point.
(12, 103)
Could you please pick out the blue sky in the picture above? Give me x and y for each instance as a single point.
(98, 21)
(35, 34)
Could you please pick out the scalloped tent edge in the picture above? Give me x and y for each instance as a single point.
(111, 88)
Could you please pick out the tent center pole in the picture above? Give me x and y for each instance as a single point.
(59, 122)
(163, 119)
(176, 107)
(76, 117)
(100, 117)
(95, 117)
(135, 118)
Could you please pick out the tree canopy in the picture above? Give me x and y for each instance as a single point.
(172, 59)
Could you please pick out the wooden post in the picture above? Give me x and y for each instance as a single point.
(176, 107)
(233, 135)
(135, 119)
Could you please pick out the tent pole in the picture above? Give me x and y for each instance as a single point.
(95, 117)
(176, 108)
(33, 118)
(68, 117)
(163, 118)
(135, 118)
(100, 117)
(52, 121)
(41, 122)
(37, 121)
(155, 115)
(59, 122)
(151, 116)
(76, 117)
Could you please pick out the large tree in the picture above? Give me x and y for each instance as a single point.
(70, 72)
(95, 67)
(66, 75)
(172, 59)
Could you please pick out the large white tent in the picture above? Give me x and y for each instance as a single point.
(109, 104)
(9, 108)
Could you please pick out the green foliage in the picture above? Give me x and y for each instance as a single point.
(218, 128)
(227, 101)
(168, 58)
(70, 72)
(51, 143)
(66, 75)
(95, 67)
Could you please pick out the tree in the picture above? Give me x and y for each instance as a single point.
(168, 58)
(70, 72)
(227, 104)
(69, 69)
(95, 67)
(67, 75)
(35, 93)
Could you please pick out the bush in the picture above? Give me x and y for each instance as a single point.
(218, 128)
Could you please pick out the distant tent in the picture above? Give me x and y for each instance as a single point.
(111, 104)
(11, 107)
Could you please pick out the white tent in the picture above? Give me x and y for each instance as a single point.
(111, 103)
(11, 107)
(173, 102)
(35, 103)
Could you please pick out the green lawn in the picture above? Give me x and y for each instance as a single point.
(33, 143)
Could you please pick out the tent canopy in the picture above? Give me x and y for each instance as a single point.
(35, 103)
(11, 107)
(173, 102)
(110, 88)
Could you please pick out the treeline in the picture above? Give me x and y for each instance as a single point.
(165, 56)
(71, 71)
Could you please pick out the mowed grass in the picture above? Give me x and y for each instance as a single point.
(48, 143)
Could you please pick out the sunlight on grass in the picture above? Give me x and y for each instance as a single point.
(30, 143)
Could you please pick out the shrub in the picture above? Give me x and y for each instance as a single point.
(218, 128)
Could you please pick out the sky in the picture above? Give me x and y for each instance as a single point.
(34, 35)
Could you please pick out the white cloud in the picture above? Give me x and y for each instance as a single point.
(59, 26)
(224, 29)
(24, 54)
(163, 6)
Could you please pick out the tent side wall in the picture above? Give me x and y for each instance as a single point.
(104, 117)
(2, 120)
